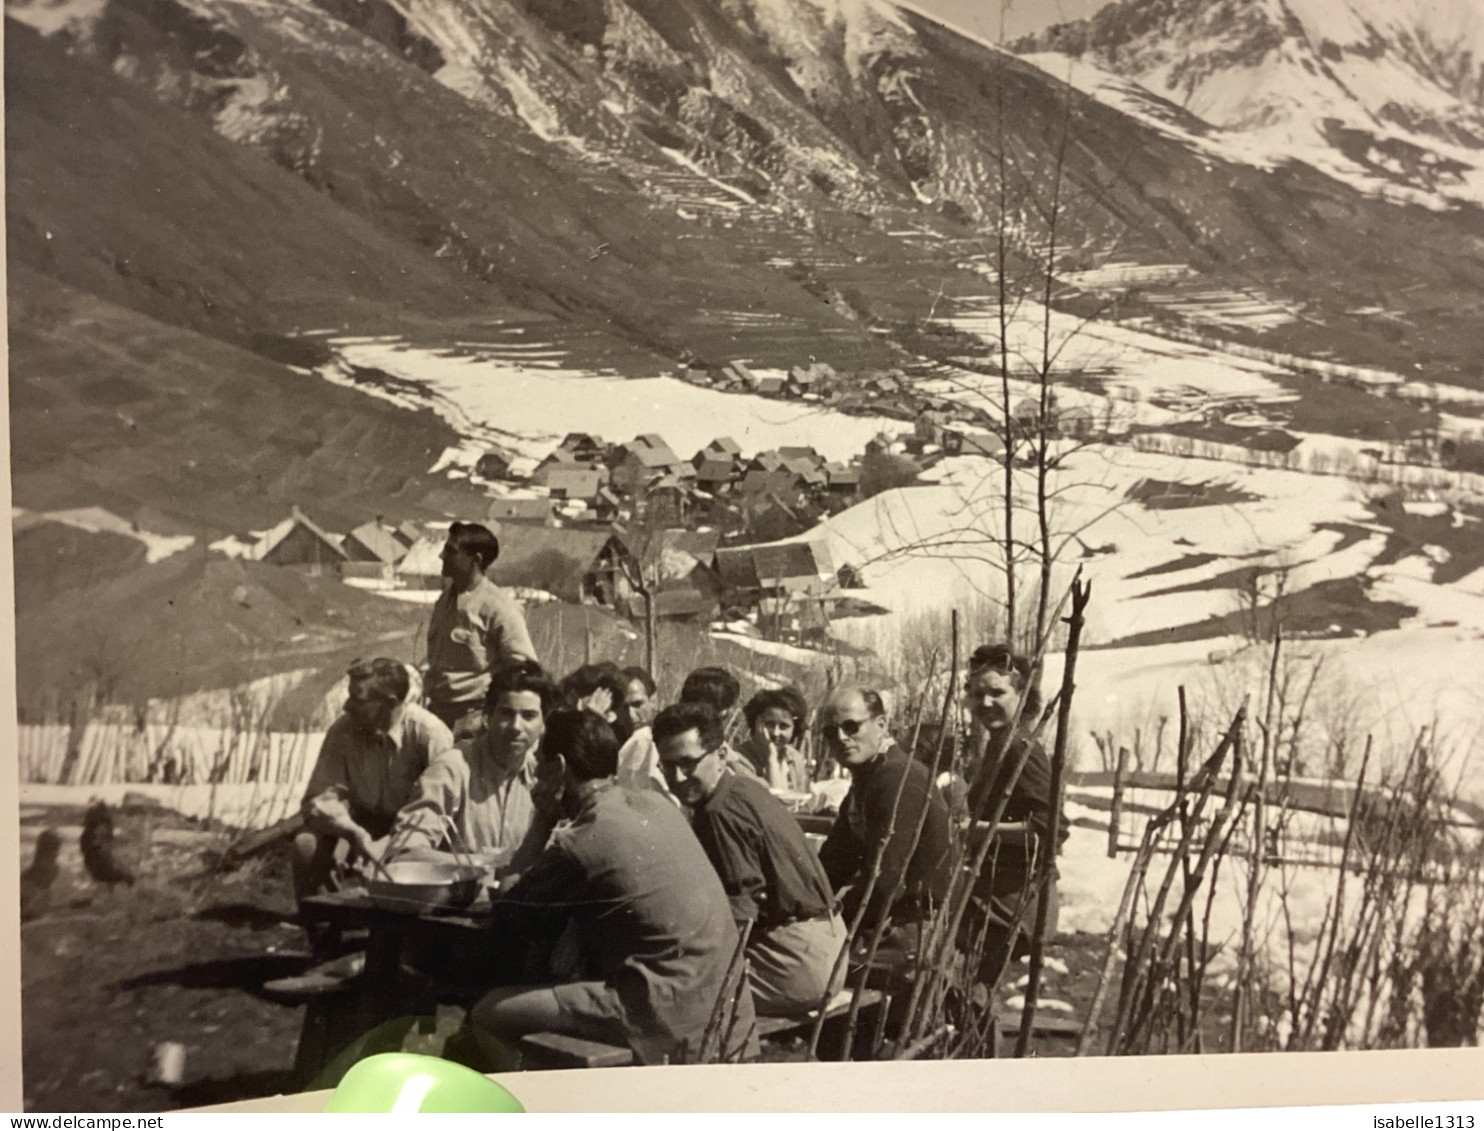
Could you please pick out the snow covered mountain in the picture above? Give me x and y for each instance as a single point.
(1385, 94)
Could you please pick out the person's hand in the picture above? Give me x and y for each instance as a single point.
(777, 767)
(600, 703)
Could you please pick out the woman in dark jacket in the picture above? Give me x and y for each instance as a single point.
(999, 689)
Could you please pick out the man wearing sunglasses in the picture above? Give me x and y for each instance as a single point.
(914, 871)
(772, 878)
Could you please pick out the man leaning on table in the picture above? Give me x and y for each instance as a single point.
(476, 799)
(367, 770)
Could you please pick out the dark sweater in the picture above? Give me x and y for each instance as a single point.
(865, 822)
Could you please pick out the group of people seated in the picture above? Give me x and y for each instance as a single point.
(649, 864)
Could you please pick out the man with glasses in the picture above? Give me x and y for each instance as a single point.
(891, 798)
(772, 878)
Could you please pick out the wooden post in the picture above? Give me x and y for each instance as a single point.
(1115, 812)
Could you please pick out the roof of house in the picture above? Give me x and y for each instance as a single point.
(407, 533)
(551, 558)
(299, 520)
(843, 474)
(715, 471)
(378, 540)
(760, 482)
(519, 510)
(574, 482)
(770, 385)
(724, 444)
(651, 452)
(756, 567)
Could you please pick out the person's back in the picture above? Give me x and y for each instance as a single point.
(652, 913)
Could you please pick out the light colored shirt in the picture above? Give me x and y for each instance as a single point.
(639, 764)
(365, 779)
(488, 805)
(469, 633)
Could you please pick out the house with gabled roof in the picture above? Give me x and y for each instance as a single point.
(714, 474)
(723, 447)
(580, 483)
(634, 465)
(303, 542)
(583, 566)
(843, 478)
(779, 569)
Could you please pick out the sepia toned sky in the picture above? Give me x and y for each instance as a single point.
(1021, 17)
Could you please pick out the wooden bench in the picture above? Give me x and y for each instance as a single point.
(558, 1050)
(774, 1028)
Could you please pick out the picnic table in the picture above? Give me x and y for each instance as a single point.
(382, 1003)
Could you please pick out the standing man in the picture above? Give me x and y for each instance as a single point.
(915, 867)
(652, 920)
(772, 878)
(475, 627)
(367, 769)
(481, 790)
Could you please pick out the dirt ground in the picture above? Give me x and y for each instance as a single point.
(107, 976)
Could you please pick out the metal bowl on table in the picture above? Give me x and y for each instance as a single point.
(424, 884)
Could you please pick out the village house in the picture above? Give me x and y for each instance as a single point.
(582, 484)
(748, 574)
(770, 386)
(843, 479)
(301, 541)
(769, 518)
(669, 502)
(583, 566)
(494, 464)
(642, 460)
(714, 474)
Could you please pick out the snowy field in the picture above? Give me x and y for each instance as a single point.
(529, 408)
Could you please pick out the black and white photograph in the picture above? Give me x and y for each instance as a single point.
(566, 534)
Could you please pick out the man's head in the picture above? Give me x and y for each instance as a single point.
(520, 697)
(639, 695)
(470, 550)
(715, 687)
(600, 688)
(376, 694)
(579, 748)
(772, 717)
(854, 725)
(999, 685)
(689, 738)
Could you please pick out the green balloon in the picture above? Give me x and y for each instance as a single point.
(399, 1082)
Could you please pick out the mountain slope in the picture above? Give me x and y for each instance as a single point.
(1387, 95)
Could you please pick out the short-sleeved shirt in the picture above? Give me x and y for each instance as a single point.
(369, 777)
(866, 821)
(469, 634)
(766, 866)
(650, 913)
(489, 806)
